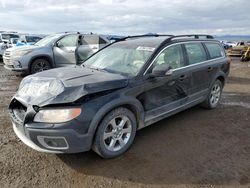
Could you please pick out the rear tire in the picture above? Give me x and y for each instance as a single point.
(39, 65)
(115, 133)
(214, 96)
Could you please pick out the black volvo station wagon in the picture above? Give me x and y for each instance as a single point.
(124, 87)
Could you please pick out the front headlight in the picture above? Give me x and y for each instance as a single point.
(57, 115)
(39, 89)
(37, 86)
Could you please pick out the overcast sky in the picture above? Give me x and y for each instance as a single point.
(126, 16)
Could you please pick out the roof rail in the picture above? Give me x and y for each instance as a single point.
(68, 32)
(138, 36)
(195, 36)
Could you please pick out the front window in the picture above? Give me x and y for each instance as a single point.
(68, 41)
(47, 40)
(120, 58)
(171, 56)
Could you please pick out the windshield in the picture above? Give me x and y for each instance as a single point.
(32, 39)
(120, 58)
(47, 40)
(9, 36)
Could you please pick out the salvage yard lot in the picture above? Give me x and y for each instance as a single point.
(195, 147)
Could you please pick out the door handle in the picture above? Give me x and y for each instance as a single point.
(182, 77)
(209, 69)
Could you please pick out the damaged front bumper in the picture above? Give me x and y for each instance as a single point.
(53, 140)
(68, 137)
(28, 142)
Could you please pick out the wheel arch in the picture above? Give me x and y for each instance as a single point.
(222, 79)
(130, 103)
(46, 57)
(221, 76)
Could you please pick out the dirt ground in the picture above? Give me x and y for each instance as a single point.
(195, 148)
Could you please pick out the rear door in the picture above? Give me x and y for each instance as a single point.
(89, 44)
(199, 68)
(92, 41)
(64, 50)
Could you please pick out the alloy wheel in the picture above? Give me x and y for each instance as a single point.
(117, 133)
(215, 94)
(41, 66)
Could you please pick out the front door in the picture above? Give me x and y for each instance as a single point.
(163, 94)
(64, 50)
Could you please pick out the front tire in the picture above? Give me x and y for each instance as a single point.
(115, 133)
(214, 96)
(39, 65)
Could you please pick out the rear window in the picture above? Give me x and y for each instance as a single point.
(215, 51)
(196, 53)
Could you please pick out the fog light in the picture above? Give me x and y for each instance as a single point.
(17, 64)
(53, 142)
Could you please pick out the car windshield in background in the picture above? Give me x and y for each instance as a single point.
(120, 58)
(47, 40)
(15, 40)
(9, 36)
(32, 39)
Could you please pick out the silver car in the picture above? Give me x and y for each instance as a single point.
(57, 50)
(5, 38)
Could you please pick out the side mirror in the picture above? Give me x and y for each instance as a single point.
(59, 44)
(162, 70)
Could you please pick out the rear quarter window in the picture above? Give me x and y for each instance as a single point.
(214, 50)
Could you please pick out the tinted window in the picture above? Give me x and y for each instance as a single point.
(171, 56)
(196, 53)
(214, 50)
(68, 41)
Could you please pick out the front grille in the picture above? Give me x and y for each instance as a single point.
(7, 54)
(17, 111)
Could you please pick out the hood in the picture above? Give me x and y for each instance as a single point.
(65, 85)
(21, 48)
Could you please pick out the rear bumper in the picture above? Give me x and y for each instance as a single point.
(53, 140)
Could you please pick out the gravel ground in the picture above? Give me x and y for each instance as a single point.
(195, 148)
